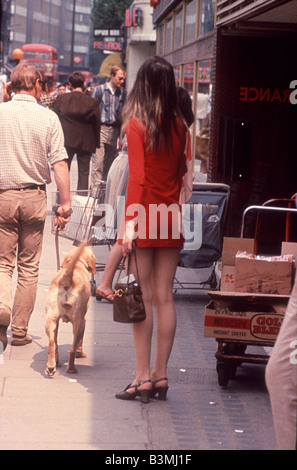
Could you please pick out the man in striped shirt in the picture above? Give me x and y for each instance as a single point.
(31, 139)
(111, 97)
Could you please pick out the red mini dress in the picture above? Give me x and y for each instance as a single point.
(154, 186)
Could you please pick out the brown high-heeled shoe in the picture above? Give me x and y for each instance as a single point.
(161, 391)
(143, 394)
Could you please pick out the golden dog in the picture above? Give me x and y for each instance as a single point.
(68, 299)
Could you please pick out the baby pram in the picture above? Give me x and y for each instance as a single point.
(204, 219)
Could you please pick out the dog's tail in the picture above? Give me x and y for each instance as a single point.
(66, 279)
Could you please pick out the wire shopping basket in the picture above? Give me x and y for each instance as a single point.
(88, 209)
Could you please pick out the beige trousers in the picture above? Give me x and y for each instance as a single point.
(22, 218)
(281, 378)
(105, 154)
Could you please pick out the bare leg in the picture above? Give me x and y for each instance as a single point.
(143, 331)
(113, 260)
(157, 267)
(165, 263)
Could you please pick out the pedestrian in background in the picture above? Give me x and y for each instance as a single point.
(116, 186)
(111, 97)
(62, 88)
(45, 98)
(80, 119)
(156, 137)
(31, 138)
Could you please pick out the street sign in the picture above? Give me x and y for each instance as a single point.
(133, 17)
(111, 46)
(107, 32)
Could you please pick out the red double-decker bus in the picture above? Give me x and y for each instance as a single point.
(44, 58)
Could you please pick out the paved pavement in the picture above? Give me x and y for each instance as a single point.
(80, 412)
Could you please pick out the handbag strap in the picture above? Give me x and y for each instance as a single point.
(121, 268)
(134, 251)
(128, 267)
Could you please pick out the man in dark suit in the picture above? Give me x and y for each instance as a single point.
(80, 119)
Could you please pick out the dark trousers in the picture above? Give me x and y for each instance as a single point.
(83, 164)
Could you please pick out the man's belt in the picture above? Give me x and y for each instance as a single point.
(114, 124)
(42, 187)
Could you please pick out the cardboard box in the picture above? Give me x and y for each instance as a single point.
(232, 245)
(244, 317)
(289, 248)
(227, 278)
(262, 274)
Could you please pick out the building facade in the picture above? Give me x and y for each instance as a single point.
(53, 22)
(253, 141)
(185, 37)
(140, 38)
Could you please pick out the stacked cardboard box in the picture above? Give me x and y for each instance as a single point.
(231, 246)
(263, 274)
(254, 293)
(243, 271)
(244, 317)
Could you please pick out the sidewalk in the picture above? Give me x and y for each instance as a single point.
(80, 412)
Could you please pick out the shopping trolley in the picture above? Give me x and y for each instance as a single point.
(87, 210)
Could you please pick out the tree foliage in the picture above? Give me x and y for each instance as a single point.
(109, 13)
(106, 14)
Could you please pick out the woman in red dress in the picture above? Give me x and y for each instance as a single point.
(156, 138)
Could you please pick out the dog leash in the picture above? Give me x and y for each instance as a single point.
(64, 216)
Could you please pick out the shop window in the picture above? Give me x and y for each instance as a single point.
(207, 16)
(188, 76)
(168, 45)
(202, 119)
(177, 74)
(160, 39)
(188, 83)
(190, 23)
(178, 29)
(196, 79)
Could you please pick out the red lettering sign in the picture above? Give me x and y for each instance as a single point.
(133, 17)
(266, 326)
(108, 46)
(261, 95)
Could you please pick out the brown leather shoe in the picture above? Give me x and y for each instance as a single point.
(4, 324)
(20, 340)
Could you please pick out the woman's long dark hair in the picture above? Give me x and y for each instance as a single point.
(153, 100)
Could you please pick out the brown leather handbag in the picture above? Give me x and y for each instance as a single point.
(128, 306)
